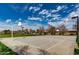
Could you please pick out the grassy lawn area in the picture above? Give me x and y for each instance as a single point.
(15, 35)
(5, 50)
(5, 35)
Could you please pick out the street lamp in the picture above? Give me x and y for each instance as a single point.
(77, 32)
(8, 21)
(20, 25)
(12, 32)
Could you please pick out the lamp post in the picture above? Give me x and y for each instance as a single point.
(77, 32)
(12, 32)
(8, 21)
(20, 25)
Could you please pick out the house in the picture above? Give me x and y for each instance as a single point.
(66, 32)
(71, 32)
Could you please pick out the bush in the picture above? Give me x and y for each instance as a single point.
(76, 50)
(77, 41)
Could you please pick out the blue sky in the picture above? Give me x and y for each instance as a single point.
(33, 15)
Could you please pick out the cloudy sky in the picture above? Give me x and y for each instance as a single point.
(35, 15)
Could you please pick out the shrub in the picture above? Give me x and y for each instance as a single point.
(77, 41)
(76, 50)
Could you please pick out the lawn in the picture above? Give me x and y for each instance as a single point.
(15, 35)
(4, 50)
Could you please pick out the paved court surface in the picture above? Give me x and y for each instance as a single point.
(53, 44)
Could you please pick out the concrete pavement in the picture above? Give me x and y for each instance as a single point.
(59, 45)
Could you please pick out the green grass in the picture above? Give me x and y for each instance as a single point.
(15, 35)
(5, 35)
(20, 35)
(4, 50)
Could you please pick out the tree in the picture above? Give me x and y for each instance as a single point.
(7, 31)
(26, 31)
(52, 30)
(41, 30)
(62, 29)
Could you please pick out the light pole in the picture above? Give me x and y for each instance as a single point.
(77, 32)
(12, 32)
(22, 28)
(8, 21)
(20, 25)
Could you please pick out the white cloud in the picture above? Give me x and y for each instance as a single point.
(19, 8)
(68, 21)
(19, 23)
(30, 8)
(55, 17)
(8, 20)
(77, 6)
(58, 9)
(55, 24)
(40, 5)
(5, 26)
(44, 11)
(34, 8)
(8, 24)
(72, 14)
(49, 15)
(55, 20)
(35, 18)
(20, 19)
(53, 11)
(75, 12)
(34, 25)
